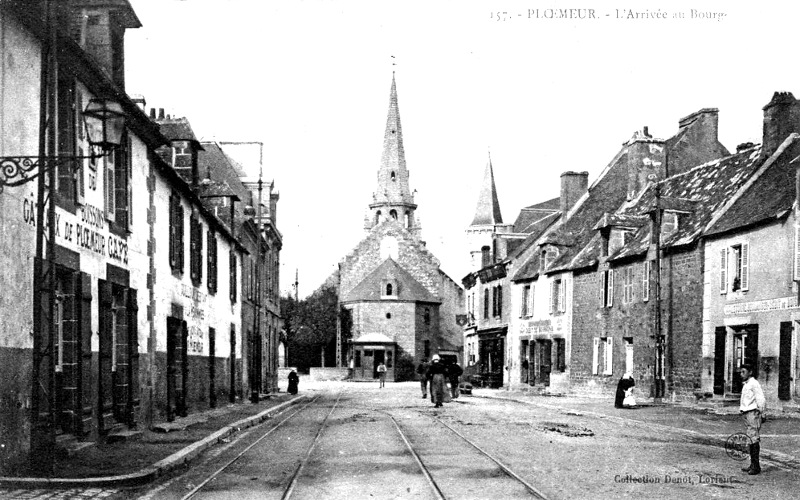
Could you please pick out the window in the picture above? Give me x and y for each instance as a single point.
(526, 297)
(389, 289)
(498, 300)
(426, 316)
(195, 249)
(627, 285)
(486, 303)
(558, 296)
(607, 288)
(734, 265)
(408, 219)
(427, 349)
(389, 358)
(212, 262)
(175, 233)
(393, 214)
(67, 126)
(561, 355)
(602, 355)
(394, 177)
(669, 223)
(232, 277)
(628, 354)
(646, 281)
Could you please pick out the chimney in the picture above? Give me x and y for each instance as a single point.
(152, 113)
(646, 161)
(273, 207)
(486, 256)
(140, 102)
(781, 118)
(573, 186)
(160, 113)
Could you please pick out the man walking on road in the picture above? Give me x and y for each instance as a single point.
(752, 407)
(422, 373)
(382, 374)
(454, 372)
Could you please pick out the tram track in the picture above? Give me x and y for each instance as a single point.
(425, 460)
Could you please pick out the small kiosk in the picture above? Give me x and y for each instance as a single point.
(369, 351)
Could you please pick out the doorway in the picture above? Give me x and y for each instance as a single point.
(378, 358)
(784, 362)
(177, 368)
(720, 336)
(542, 359)
(745, 351)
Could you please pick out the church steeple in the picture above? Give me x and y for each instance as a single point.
(488, 209)
(393, 198)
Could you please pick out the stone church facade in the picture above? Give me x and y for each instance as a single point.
(402, 306)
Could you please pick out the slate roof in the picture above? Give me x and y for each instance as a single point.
(531, 215)
(408, 288)
(770, 196)
(177, 129)
(607, 194)
(374, 338)
(710, 186)
(487, 211)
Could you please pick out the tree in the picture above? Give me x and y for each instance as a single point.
(311, 328)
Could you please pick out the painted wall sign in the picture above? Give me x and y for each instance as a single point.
(531, 327)
(85, 230)
(778, 304)
(196, 317)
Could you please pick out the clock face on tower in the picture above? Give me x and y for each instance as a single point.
(389, 248)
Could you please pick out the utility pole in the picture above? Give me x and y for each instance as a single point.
(658, 368)
(43, 410)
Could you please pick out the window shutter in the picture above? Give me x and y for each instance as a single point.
(180, 229)
(723, 270)
(121, 184)
(609, 369)
(232, 276)
(602, 288)
(745, 265)
(129, 169)
(562, 299)
(108, 161)
(81, 151)
(553, 297)
(596, 356)
(530, 299)
(797, 252)
(646, 281)
(610, 287)
(173, 236)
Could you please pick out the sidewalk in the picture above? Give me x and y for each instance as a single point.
(155, 451)
(780, 435)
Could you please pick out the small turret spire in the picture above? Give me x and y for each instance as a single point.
(488, 209)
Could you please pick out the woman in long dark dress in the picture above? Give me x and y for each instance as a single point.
(436, 373)
(293, 380)
(625, 383)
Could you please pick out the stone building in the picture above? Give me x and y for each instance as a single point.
(403, 307)
(640, 296)
(751, 271)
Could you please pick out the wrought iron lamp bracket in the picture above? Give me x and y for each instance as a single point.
(18, 170)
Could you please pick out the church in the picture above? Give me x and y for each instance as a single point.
(402, 307)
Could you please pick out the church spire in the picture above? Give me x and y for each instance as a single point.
(488, 209)
(393, 198)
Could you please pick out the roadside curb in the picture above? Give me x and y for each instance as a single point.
(159, 468)
(697, 437)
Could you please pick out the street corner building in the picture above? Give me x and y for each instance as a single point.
(403, 307)
(122, 288)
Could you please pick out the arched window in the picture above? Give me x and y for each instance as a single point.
(408, 219)
(377, 216)
(393, 213)
(394, 177)
(389, 289)
(427, 316)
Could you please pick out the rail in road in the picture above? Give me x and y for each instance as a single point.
(436, 455)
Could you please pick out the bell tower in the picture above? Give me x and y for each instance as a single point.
(393, 198)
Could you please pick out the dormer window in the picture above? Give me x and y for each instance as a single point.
(617, 239)
(669, 223)
(389, 289)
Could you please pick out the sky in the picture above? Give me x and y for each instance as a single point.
(543, 94)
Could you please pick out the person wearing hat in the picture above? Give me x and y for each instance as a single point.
(753, 407)
(436, 373)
